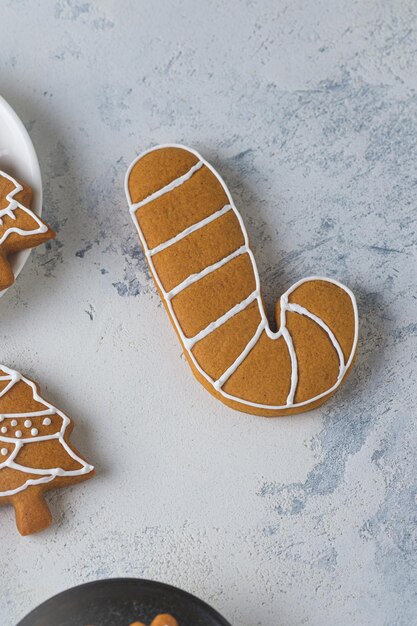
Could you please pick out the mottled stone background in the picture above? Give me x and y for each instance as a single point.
(309, 110)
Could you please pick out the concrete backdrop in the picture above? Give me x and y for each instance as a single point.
(309, 111)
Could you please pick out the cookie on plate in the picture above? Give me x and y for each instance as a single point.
(35, 451)
(160, 620)
(20, 228)
(198, 251)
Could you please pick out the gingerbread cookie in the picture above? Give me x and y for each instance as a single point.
(35, 452)
(160, 620)
(198, 251)
(20, 228)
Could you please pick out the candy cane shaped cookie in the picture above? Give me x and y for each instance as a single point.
(198, 251)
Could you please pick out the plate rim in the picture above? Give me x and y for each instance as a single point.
(22, 256)
(143, 581)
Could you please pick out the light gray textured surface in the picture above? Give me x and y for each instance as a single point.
(309, 110)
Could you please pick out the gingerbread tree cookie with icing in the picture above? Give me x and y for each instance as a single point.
(20, 228)
(35, 452)
(198, 251)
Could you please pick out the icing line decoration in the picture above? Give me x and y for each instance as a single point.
(285, 306)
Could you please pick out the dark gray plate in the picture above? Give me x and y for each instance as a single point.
(119, 602)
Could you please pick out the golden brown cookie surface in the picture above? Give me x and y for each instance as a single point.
(35, 451)
(161, 620)
(20, 228)
(164, 620)
(198, 251)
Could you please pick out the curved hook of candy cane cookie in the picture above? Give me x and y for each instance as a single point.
(198, 251)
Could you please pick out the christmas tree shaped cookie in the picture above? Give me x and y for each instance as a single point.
(20, 228)
(35, 452)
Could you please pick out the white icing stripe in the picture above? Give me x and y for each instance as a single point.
(242, 356)
(282, 331)
(28, 483)
(175, 183)
(33, 414)
(56, 471)
(191, 341)
(8, 211)
(190, 229)
(296, 308)
(193, 278)
(294, 366)
(31, 439)
(7, 388)
(19, 442)
(291, 351)
(13, 205)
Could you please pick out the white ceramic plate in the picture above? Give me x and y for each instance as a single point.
(18, 158)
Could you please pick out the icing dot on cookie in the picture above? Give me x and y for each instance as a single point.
(18, 434)
(47, 421)
(34, 432)
(28, 423)
(14, 422)
(3, 429)
(4, 451)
